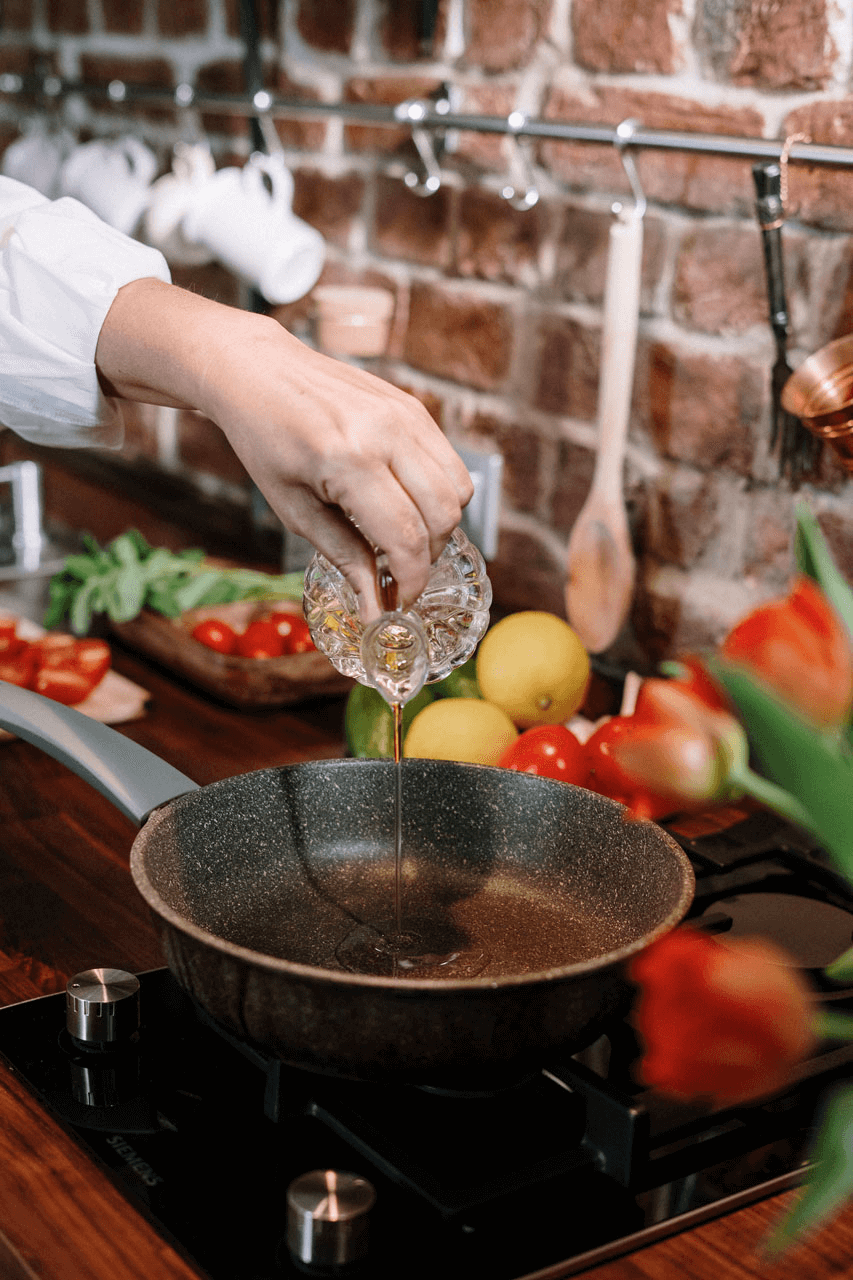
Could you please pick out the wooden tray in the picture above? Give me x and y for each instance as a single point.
(241, 682)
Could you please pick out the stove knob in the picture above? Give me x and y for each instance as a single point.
(328, 1217)
(102, 1008)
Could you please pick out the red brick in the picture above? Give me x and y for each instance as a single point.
(719, 284)
(331, 204)
(782, 46)
(226, 76)
(400, 30)
(204, 449)
(459, 336)
(327, 24)
(411, 227)
(18, 15)
(701, 410)
(306, 134)
(719, 184)
(683, 515)
(522, 450)
(157, 72)
(769, 538)
(495, 241)
(525, 574)
(572, 479)
(581, 255)
(486, 150)
(818, 194)
(384, 91)
(620, 35)
(67, 17)
(566, 367)
(186, 18)
(503, 34)
(124, 16)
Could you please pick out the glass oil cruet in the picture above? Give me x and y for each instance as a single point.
(398, 654)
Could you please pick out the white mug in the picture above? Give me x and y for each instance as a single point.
(111, 177)
(244, 218)
(37, 157)
(168, 200)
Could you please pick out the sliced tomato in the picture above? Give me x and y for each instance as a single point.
(92, 657)
(260, 640)
(63, 684)
(215, 634)
(550, 750)
(10, 641)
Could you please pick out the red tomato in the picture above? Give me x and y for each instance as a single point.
(10, 641)
(92, 657)
(18, 668)
(63, 684)
(550, 750)
(293, 630)
(217, 635)
(608, 779)
(260, 640)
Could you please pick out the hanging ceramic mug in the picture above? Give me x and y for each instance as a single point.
(37, 157)
(169, 199)
(243, 216)
(112, 177)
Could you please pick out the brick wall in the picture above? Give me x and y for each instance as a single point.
(499, 310)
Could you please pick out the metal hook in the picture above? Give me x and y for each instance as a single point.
(520, 191)
(429, 149)
(624, 133)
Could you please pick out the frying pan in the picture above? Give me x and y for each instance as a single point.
(257, 879)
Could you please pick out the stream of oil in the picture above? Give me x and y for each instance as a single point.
(393, 951)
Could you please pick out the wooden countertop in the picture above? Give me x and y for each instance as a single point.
(67, 901)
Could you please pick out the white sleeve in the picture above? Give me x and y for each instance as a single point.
(60, 269)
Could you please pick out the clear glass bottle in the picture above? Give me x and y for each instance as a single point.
(402, 650)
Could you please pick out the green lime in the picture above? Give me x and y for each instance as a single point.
(461, 683)
(369, 725)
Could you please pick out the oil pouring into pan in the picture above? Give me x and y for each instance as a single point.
(254, 880)
(600, 563)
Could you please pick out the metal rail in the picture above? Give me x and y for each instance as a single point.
(433, 114)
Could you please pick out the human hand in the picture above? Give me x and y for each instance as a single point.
(344, 459)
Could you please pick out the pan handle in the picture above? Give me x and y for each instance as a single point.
(131, 776)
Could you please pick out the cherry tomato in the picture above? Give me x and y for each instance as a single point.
(293, 630)
(550, 750)
(10, 641)
(608, 779)
(260, 640)
(217, 635)
(18, 668)
(63, 684)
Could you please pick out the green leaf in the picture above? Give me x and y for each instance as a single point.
(815, 767)
(829, 1182)
(841, 969)
(80, 613)
(815, 559)
(191, 593)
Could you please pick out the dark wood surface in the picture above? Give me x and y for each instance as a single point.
(67, 902)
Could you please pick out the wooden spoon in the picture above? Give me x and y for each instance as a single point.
(600, 561)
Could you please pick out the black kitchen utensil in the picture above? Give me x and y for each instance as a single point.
(799, 450)
(257, 880)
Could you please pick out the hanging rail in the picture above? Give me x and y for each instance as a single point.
(427, 114)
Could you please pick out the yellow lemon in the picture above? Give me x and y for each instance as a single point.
(533, 666)
(466, 729)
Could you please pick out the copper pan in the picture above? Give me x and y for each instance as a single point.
(820, 394)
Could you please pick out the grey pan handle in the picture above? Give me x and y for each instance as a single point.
(131, 776)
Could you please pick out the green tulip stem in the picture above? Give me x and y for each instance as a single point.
(770, 794)
(829, 1025)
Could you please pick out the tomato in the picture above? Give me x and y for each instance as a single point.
(63, 684)
(549, 750)
(10, 641)
(217, 635)
(18, 668)
(607, 778)
(293, 630)
(260, 640)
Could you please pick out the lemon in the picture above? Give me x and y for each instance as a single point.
(533, 666)
(466, 729)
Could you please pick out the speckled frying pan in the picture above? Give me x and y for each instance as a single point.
(259, 880)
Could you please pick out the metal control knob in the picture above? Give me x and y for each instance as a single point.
(328, 1215)
(102, 1007)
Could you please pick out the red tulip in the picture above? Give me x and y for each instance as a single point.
(723, 1021)
(801, 649)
